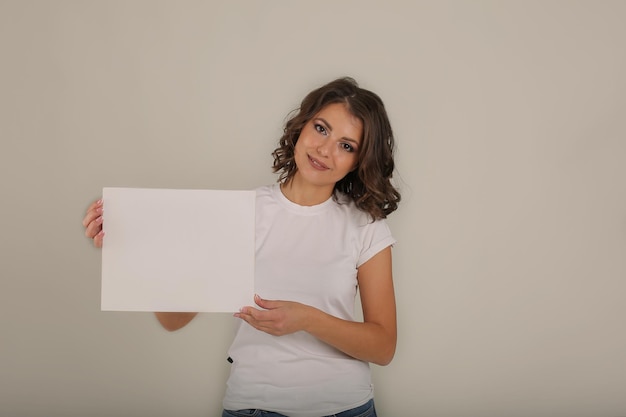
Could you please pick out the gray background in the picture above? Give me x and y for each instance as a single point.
(510, 265)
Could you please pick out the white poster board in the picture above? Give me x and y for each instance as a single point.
(177, 250)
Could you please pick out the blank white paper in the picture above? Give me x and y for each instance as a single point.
(177, 250)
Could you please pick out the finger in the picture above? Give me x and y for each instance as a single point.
(97, 203)
(247, 318)
(266, 304)
(94, 227)
(263, 326)
(89, 217)
(267, 326)
(244, 312)
(264, 319)
(254, 316)
(98, 239)
(94, 210)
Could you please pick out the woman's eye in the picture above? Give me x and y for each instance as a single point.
(347, 147)
(320, 129)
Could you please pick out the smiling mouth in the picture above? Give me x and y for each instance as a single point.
(317, 164)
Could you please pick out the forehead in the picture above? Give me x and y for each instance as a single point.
(341, 120)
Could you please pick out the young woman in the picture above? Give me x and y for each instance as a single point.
(320, 235)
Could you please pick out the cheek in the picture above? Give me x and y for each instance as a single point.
(302, 144)
(354, 162)
(348, 161)
(297, 149)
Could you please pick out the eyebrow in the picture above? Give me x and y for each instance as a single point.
(331, 129)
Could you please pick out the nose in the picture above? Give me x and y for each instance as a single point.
(323, 148)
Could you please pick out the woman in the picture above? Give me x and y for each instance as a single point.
(320, 235)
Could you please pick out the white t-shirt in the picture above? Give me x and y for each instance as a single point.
(308, 255)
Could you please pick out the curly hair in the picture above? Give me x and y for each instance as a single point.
(369, 184)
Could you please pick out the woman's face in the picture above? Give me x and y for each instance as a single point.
(328, 146)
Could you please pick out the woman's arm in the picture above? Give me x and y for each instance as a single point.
(373, 340)
(92, 222)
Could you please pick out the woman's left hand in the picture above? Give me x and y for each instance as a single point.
(278, 317)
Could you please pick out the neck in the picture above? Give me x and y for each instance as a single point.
(305, 195)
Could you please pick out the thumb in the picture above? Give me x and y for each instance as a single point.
(266, 304)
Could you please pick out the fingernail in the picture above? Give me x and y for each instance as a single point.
(99, 219)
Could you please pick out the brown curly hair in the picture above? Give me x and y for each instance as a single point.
(369, 184)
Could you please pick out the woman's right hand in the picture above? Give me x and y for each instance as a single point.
(93, 223)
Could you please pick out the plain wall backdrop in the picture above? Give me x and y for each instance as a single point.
(509, 116)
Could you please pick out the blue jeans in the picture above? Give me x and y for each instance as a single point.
(365, 410)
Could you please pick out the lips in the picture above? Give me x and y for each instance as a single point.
(317, 164)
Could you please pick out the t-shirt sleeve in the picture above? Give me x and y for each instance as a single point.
(376, 236)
